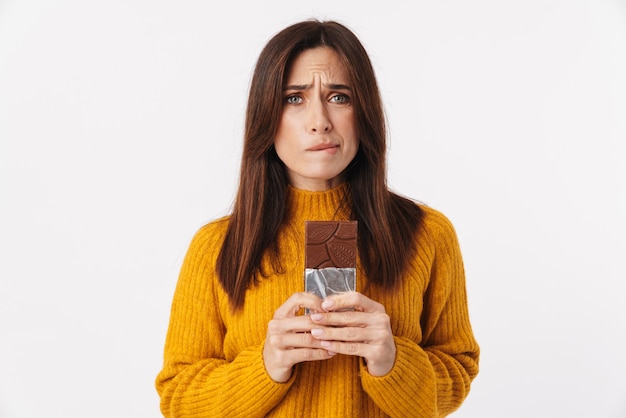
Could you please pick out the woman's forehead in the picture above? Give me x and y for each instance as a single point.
(321, 62)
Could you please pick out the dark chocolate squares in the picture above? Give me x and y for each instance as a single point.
(330, 244)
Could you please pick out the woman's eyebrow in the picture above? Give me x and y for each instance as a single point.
(298, 87)
(302, 87)
(338, 87)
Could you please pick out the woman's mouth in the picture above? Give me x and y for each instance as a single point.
(332, 148)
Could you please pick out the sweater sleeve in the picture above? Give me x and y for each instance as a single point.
(196, 379)
(431, 378)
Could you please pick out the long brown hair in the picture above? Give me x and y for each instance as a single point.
(387, 221)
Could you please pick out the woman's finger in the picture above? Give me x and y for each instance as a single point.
(296, 303)
(350, 334)
(351, 319)
(351, 301)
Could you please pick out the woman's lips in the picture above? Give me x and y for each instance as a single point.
(325, 147)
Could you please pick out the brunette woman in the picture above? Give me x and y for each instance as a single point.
(238, 343)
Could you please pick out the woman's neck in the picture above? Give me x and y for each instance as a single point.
(306, 205)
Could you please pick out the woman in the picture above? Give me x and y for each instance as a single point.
(238, 343)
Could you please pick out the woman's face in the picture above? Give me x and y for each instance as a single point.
(316, 138)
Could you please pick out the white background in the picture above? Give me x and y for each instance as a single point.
(120, 135)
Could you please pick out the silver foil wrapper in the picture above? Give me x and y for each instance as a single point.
(329, 281)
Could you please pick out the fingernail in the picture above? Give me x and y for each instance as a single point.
(316, 317)
(327, 304)
(316, 332)
(325, 343)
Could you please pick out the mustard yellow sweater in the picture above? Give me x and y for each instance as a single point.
(213, 364)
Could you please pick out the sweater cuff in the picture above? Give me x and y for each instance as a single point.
(410, 384)
(258, 382)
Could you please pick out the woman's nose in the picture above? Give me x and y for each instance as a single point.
(317, 119)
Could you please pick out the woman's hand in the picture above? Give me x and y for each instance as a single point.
(364, 331)
(289, 340)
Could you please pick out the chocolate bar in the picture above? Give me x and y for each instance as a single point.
(330, 257)
(330, 244)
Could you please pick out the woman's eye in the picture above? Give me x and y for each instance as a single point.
(340, 98)
(293, 100)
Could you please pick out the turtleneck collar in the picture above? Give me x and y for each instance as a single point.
(305, 205)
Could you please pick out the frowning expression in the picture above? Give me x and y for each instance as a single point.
(316, 138)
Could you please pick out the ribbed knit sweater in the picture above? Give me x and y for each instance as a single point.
(213, 362)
